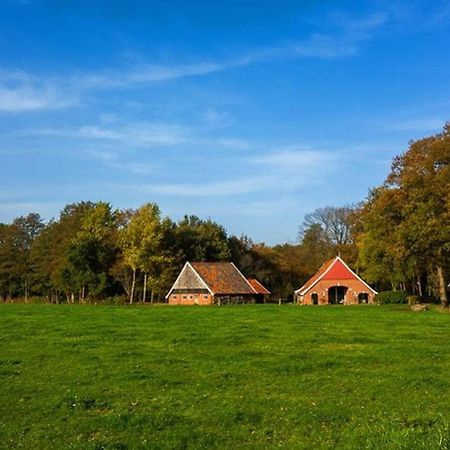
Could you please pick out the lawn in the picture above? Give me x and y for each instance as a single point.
(236, 377)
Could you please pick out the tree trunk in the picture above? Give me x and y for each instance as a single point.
(152, 296)
(144, 294)
(419, 285)
(26, 291)
(133, 282)
(442, 287)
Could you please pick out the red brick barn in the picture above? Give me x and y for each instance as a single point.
(206, 283)
(335, 283)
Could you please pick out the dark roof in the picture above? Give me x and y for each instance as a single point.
(223, 278)
(257, 286)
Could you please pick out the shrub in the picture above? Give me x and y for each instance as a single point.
(392, 297)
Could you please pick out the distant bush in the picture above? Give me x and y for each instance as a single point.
(392, 297)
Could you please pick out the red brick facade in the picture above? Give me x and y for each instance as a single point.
(190, 299)
(351, 295)
(335, 283)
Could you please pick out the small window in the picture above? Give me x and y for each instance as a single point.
(205, 296)
(191, 297)
(174, 296)
(363, 297)
(184, 297)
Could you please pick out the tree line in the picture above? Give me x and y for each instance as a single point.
(398, 238)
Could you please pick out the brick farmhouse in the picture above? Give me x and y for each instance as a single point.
(335, 283)
(207, 283)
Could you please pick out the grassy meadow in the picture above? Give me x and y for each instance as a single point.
(237, 377)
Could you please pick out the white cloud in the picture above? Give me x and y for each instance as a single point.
(20, 91)
(144, 134)
(49, 92)
(294, 159)
(112, 160)
(28, 99)
(285, 170)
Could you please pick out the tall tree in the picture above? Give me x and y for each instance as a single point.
(16, 241)
(405, 224)
(336, 223)
(423, 174)
(92, 251)
(140, 241)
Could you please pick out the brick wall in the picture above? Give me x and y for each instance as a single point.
(354, 287)
(190, 299)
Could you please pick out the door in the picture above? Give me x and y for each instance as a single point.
(336, 295)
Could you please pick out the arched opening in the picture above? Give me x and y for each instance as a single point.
(363, 297)
(336, 295)
(315, 298)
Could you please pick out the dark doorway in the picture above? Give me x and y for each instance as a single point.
(363, 297)
(336, 295)
(314, 299)
(260, 298)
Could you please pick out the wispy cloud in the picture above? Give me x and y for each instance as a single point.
(319, 45)
(27, 98)
(143, 134)
(284, 170)
(294, 159)
(22, 92)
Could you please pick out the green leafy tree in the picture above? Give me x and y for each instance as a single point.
(140, 241)
(16, 241)
(201, 240)
(92, 251)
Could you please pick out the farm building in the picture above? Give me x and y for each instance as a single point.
(335, 283)
(206, 283)
(262, 294)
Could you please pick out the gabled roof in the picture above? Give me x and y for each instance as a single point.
(223, 278)
(219, 278)
(258, 287)
(334, 269)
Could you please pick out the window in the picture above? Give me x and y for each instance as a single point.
(174, 296)
(205, 296)
(363, 297)
(191, 297)
(184, 297)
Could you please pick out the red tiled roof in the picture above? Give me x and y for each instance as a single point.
(334, 269)
(316, 276)
(258, 287)
(338, 271)
(223, 278)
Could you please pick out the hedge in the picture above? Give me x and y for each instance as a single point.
(394, 297)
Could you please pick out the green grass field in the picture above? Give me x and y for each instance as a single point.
(92, 377)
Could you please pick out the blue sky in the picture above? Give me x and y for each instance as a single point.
(252, 113)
